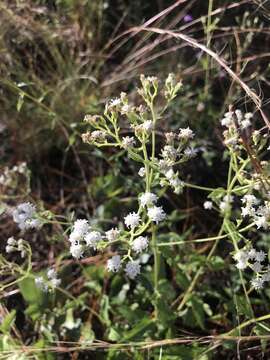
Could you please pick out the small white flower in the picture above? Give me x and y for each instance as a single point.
(81, 226)
(257, 283)
(239, 115)
(186, 134)
(51, 273)
(245, 124)
(169, 153)
(170, 174)
(156, 214)
(98, 135)
(227, 122)
(228, 119)
(170, 137)
(148, 199)
(132, 269)
(92, 238)
(224, 206)
(247, 211)
(141, 172)
(241, 265)
(190, 152)
(208, 205)
(148, 125)
(10, 249)
(112, 234)
(266, 276)
(260, 256)
(75, 237)
(257, 267)
(140, 244)
(128, 141)
(113, 103)
(164, 165)
(252, 254)
(76, 250)
(228, 198)
(177, 184)
(11, 241)
(261, 222)
(55, 282)
(24, 215)
(132, 220)
(248, 115)
(249, 200)
(114, 263)
(40, 284)
(126, 109)
(242, 258)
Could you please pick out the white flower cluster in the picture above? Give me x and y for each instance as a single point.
(142, 120)
(16, 245)
(50, 283)
(81, 237)
(253, 259)
(173, 153)
(226, 202)
(132, 220)
(128, 141)
(259, 214)
(208, 205)
(25, 215)
(234, 120)
(139, 244)
(7, 176)
(132, 269)
(233, 117)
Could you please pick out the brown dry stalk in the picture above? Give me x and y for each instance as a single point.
(69, 346)
(173, 34)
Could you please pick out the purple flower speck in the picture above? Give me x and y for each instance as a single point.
(187, 18)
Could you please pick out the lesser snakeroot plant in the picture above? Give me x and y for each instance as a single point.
(134, 129)
(245, 204)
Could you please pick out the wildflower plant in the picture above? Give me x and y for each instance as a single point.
(132, 241)
(158, 169)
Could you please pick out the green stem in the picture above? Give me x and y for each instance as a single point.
(156, 267)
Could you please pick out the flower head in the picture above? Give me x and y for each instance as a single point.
(76, 250)
(132, 220)
(141, 172)
(156, 214)
(92, 238)
(140, 244)
(25, 216)
(186, 133)
(257, 283)
(128, 141)
(132, 269)
(114, 263)
(81, 226)
(112, 234)
(208, 205)
(148, 199)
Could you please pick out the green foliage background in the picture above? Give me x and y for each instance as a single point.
(62, 59)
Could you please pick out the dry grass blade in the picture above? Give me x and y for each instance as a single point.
(173, 34)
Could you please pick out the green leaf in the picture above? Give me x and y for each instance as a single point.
(30, 292)
(70, 323)
(197, 306)
(138, 329)
(8, 321)
(104, 310)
